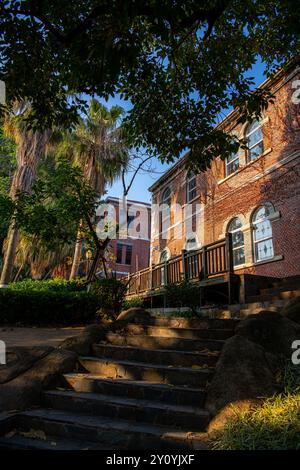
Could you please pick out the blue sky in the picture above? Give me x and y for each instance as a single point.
(139, 190)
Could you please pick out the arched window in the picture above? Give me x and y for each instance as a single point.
(165, 208)
(255, 140)
(164, 257)
(191, 190)
(232, 163)
(238, 245)
(262, 233)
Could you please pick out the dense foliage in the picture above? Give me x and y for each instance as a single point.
(110, 293)
(180, 63)
(46, 307)
(185, 294)
(51, 285)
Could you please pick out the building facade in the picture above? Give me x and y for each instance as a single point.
(129, 248)
(254, 194)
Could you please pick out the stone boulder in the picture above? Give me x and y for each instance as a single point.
(244, 373)
(81, 343)
(20, 359)
(271, 330)
(26, 389)
(292, 310)
(134, 312)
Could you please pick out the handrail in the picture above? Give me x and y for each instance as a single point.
(209, 261)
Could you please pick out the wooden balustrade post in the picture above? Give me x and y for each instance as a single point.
(184, 273)
(229, 265)
(204, 267)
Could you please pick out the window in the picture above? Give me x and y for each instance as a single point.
(232, 163)
(191, 191)
(163, 259)
(255, 141)
(165, 208)
(238, 245)
(119, 253)
(262, 233)
(128, 255)
(130, 221)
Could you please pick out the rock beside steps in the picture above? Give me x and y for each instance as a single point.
(142, 388)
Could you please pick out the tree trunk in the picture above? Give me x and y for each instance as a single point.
(77, 256)
(31, 146)
(8, 265)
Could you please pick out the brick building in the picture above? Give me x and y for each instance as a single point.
(254, 195)
(129, 249)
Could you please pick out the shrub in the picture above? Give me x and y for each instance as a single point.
(46, 307)
(48, 285)
(185, 294)
(134, 302)
(274, 425)
(110, 293)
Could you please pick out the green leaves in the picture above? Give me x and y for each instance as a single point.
(180, 63)
(59, 200)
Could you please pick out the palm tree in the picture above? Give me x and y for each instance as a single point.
(30, 147)
(97, 145)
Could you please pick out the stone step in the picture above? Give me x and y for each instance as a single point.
(287, 282)
(108, 432)
(245, 312)
(152, 342)
(155, 356)
(264, 305)
(188, 418)
(181, 322)
(192, 377)
(20, 442)
(136, 389)
(277, 294)
(187, 333)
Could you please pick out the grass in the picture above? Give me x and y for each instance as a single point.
(273, 425)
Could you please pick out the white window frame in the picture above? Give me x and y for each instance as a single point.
(189, 179)
(239, 229)
(256, 242)
(165, 214)
(248, 134)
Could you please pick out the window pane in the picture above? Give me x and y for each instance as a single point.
(237, 239)
(264, 250)
(231, 167)
(262, 230)
(119, 253)
(191, 188)
(130, 221)
(128, 254)
(234, 224)
(166, 196)
(239, 256)
(255, 137)
(256, 151)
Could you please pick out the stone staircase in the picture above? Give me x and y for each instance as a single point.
(144, 387)
(274, 297)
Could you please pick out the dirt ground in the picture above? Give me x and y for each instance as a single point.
(28, 337)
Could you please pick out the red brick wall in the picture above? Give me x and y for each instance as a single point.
(140, 242)
(273, 177)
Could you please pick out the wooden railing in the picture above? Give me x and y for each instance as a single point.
(208, 262)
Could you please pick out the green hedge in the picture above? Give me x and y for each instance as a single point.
(50, 284)
(38, 307)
